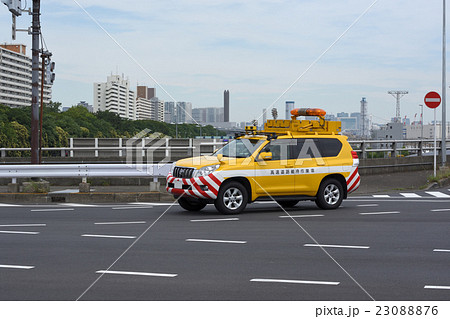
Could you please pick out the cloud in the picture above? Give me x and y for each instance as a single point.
(257, 48)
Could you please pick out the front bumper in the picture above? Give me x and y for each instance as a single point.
(203, 187)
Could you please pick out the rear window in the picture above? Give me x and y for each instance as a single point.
(329, 147)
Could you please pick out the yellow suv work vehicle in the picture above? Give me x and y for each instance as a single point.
(289, 161)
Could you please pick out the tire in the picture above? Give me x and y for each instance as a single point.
(330, 194)
(287, 203)
(232, 198)
(191, 205)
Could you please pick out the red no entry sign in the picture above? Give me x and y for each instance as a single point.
(432, 99)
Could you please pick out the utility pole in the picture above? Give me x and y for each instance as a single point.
(35, 31)
(444, 93)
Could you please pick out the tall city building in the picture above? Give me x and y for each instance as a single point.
(208, 115)
(364, 119)
(226, 106)
(115, 96)
(264, 116)
(182, 113)
(148, 106)
(290, 105)
(15, 77)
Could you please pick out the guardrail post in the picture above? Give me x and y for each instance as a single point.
(96, 147)
(420, 148)
(120, 147)
(394, 149)
(363, 148)
(71, 146)
(63, 153)
(3, 153)
(167, 148)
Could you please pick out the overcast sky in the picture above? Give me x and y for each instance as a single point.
(256, 49)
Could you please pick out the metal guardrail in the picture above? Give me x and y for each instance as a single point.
(84, 170)
(391, 148)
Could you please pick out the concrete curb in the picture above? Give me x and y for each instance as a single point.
(40, 198)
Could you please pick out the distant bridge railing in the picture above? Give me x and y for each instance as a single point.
(181, 148)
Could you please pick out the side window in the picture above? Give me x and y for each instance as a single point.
(281, 149)
(306, 148)
(330, 147)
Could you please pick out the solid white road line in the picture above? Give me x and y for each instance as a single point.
(120, 223)
(438, 194)
(300, 216)
(381, 196)
(336, 246)
(441, 210)
(151, 274)
(214, 220)
(379, 213)
(131, 207)
(9, 205)
(367, 205)
(24, 225)
(18, 232)
(108, 236)
(52, 210)
(437, 287)
(410, 195)
(307, 282)
(217, 241)
(16, 267)
(442, 250)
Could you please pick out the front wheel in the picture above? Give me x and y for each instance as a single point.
(232, 198)
(191, 205)
(330, 194)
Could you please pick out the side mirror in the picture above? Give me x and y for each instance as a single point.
(265, 156)
(219, 157)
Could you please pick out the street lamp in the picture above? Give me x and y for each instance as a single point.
(421, 120)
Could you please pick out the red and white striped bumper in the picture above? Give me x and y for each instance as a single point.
(204, 187)
(353, 180)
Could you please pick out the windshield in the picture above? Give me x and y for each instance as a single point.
(240, 148)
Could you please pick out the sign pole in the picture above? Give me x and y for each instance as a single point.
(434, 155)
(444, 90)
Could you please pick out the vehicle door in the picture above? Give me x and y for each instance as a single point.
(275, 176)
(310, 166)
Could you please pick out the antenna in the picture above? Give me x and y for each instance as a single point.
(397, 95)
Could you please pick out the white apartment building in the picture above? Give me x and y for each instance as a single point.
(15, 77)
(115, 96)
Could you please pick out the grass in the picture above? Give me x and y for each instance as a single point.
(440, 175)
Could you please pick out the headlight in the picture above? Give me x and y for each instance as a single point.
(204, 171)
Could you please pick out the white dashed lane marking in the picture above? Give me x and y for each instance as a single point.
(108, 236)
(134, 273)
(300, 216)
(16, 267)
(289, 281)
(336, 246)
(119, 223)
(217, 241)
(381, 196)
(18, 232)
(214, 220)
(379, 213)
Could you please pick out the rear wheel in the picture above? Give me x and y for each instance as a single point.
(287, 203)
(232, 198)
(330, 194)
(191, 204)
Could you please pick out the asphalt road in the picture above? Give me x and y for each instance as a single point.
(391, 247)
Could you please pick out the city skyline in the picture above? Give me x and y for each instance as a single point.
(196, 50)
